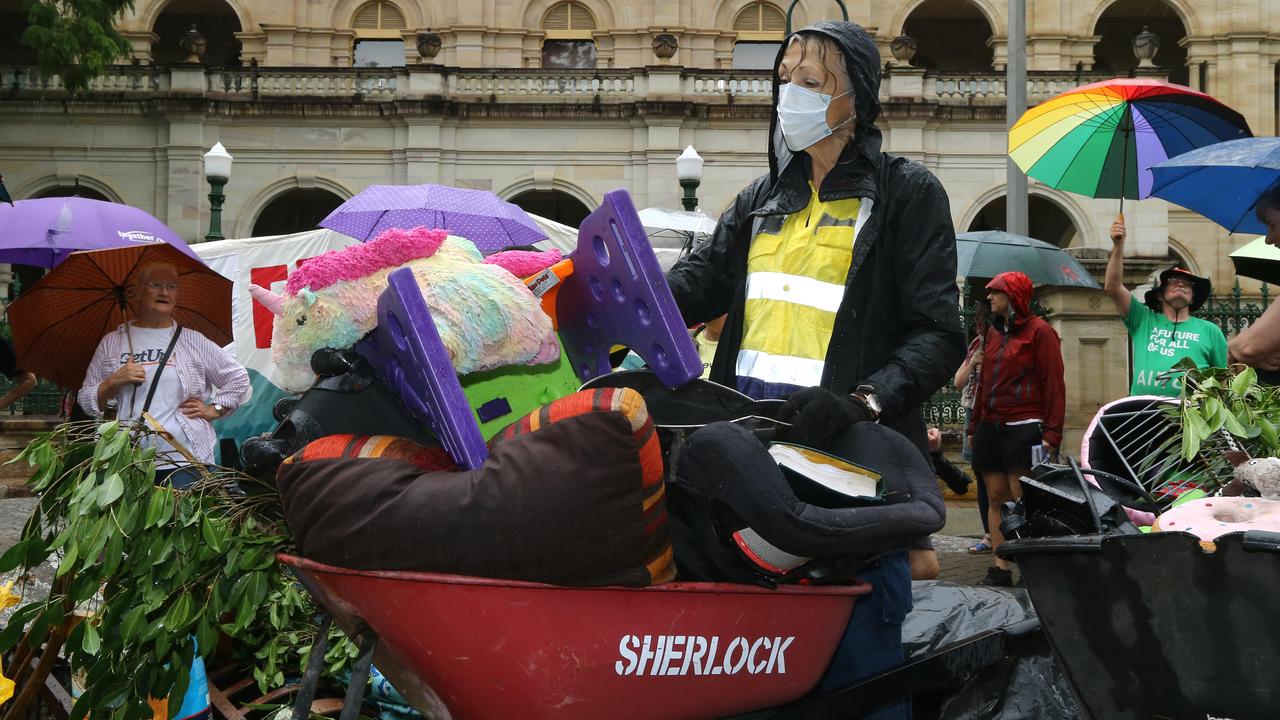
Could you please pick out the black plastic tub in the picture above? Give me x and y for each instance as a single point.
(1154, 626)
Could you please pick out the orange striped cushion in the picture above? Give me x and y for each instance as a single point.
(427, 459)
(629, 404)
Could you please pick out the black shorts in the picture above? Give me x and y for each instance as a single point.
(1004, 448)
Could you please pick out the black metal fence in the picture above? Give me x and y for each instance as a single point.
(1231, 312)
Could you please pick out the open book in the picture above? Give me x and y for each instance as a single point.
(823, 479)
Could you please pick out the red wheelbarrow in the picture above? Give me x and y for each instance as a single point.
(469, 647)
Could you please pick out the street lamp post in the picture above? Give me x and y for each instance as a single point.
(689, 172)
(217, 170)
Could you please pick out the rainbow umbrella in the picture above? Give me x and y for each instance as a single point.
(1100, 140)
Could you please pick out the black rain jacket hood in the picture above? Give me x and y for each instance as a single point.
(898, 324)
(862, 62)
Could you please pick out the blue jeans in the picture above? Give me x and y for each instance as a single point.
(872, 642)
(179, 478)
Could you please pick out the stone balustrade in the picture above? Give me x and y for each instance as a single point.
(522, 85)
(541, 85)
(373, 84)
(738, 85)
(117, 79)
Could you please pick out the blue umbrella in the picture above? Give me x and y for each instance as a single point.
(1223, 181)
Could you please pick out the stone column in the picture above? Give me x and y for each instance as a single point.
(426, 81)
(140, 44)
(180, 180)
(661, 148)
(468, 46)
(663, 84)
(342, 46)
(999, 45)
(422, 151)
(280, 45)
(253, 46)
(906, 83)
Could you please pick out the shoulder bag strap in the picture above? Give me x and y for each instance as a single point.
(164, 360)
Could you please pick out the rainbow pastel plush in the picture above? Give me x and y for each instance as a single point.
(484, 314)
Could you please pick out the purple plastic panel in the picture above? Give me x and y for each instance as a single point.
(406, 350)
(617, 294)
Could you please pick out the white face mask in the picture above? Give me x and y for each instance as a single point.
(802, 115)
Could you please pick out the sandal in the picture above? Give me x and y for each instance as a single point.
(982, 546)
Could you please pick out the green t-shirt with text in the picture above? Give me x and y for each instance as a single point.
(1158, 344)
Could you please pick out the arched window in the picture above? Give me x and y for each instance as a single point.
(569, 41)
(294, 211)
(379, 42)
(76, 190)
(953, 35)
(760, 21)
(1123, 20)
(1048, 221)
(553, 204)
(569, 19)
(378, 19)
(214, 19)
(760, 27)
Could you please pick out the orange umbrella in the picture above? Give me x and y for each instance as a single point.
(59, 320)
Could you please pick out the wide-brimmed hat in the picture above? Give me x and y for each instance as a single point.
(1200, 289)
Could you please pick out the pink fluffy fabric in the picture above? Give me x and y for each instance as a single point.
(390, 248)
(523, 263)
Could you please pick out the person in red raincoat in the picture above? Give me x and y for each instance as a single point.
(1018, 410)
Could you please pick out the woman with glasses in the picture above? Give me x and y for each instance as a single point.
(176, 374)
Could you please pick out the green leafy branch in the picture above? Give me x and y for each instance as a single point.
(146, 574)
(1216, 400)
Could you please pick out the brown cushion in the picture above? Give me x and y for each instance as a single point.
(564, 502)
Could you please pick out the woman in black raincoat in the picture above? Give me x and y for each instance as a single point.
(837, 271)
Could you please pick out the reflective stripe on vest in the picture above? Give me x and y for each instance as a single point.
(796, 273)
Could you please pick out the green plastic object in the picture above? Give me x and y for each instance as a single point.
(506, 394)
(1188, 496)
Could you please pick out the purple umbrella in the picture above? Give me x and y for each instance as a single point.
(477, 215)
(45, 231)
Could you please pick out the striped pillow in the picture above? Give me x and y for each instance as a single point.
(427, 459)
(652, 490)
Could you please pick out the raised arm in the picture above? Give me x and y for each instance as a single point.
(972, 364)
(1114, 284)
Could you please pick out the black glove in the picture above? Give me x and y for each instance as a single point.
(816, 414)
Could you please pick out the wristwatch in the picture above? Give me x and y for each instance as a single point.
(867, 394)
(219, 408)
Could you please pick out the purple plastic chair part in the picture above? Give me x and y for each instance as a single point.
(407, 352)
(617, 294)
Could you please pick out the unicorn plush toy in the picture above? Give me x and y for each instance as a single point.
(485, 315)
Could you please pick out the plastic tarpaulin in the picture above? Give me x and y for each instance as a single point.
(1028, 685)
